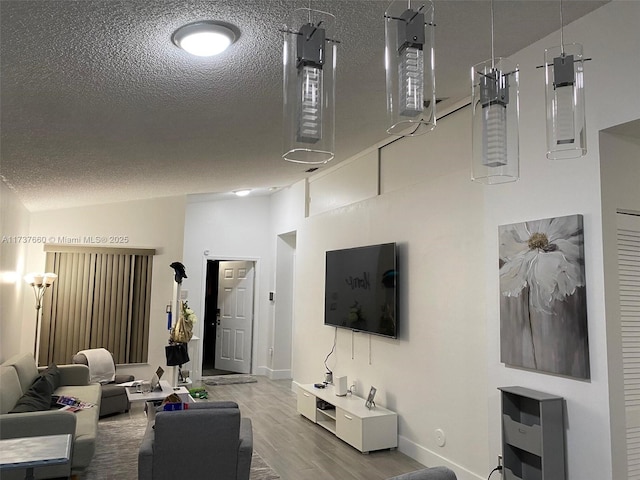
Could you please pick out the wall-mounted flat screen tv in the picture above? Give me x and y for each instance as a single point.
(361, 289)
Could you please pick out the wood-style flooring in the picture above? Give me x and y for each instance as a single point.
(298, 449)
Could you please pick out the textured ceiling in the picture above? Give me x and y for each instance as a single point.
(97, 104)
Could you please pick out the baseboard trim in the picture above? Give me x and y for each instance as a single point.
(432, 459)
(274, 374)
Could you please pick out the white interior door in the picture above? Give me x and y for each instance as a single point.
(235, 322)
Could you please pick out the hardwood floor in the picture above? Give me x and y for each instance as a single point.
(298, 449)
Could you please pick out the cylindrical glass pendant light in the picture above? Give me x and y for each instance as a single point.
(566, 124)
(309, 60)
(409, 65)
(495, 117)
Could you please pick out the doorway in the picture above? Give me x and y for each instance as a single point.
(228, 317)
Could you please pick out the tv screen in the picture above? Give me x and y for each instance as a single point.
(361, 289)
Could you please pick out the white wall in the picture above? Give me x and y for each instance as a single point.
(611, 37)
(288, 209)
(620, 178)
(281, 332)
(349, 182)
(431, 374)
(157, 223)
(434, 375)
(14, 232)
(237, 229)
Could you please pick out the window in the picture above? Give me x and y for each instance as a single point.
(101, 299)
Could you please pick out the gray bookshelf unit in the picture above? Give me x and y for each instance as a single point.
(533, 445)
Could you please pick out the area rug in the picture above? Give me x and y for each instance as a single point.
(116, 455)
(229, 379)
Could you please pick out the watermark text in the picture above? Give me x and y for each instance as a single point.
(66, 239)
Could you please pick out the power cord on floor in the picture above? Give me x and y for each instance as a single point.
(497, 469)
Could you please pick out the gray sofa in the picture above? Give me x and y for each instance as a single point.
(113, 397)
(435, 473)
(208, 437)
(18, 375)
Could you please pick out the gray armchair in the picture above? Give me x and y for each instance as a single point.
(435, 473)
(208, 437)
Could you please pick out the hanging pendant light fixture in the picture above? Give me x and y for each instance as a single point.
(409, 65)
(564, 93)
(495, 113)
(309, 60)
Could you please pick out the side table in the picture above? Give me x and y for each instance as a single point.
(33, 452)
(167, 390)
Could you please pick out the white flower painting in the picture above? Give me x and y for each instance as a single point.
(543, 310)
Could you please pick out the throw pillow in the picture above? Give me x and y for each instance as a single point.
(52, 374)
(37, 398)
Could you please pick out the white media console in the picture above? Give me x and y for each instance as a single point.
(348, 418)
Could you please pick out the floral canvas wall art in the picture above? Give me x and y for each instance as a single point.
(543, 303)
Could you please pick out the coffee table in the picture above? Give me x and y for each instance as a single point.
(167, 390)
(32, 452)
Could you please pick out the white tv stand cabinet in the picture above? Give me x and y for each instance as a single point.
(348, 419)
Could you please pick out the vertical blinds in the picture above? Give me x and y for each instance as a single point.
(101, 299)
(628, 238)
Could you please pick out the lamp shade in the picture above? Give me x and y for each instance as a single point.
(409, 66)
(40, 279)
(34, 279)
(564, 94)
(309, 63)
(495, 113)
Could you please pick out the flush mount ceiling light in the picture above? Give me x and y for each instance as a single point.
(242, 193)
(205, 39)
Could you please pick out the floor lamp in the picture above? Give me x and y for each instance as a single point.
(40, 282)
